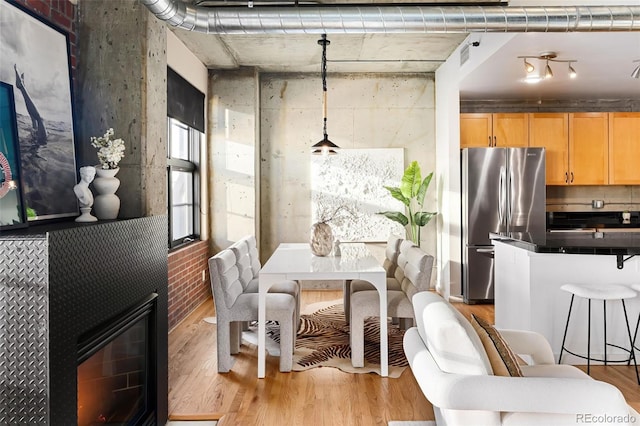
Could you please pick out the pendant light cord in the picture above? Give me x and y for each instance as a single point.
(323, 71)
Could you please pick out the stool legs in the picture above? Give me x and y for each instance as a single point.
(604, 309)
(631, 341)
(632, 338)
(589, 338)
(566, 327)
(635, 335)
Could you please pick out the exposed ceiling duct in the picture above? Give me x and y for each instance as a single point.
(394, 19)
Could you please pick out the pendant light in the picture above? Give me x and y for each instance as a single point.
(325, 146)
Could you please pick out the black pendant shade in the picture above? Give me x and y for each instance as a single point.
(325, 146)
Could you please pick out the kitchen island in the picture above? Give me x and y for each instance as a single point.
(530, 269)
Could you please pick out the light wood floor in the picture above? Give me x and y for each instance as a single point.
(320, 396)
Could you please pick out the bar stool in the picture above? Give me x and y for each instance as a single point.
(602, 292)
(636, 287)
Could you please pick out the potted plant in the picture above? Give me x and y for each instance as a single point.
(411, 193)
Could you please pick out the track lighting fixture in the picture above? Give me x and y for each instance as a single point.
(548, 72)
(636, 71)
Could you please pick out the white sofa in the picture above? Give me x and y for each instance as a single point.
(452, 368)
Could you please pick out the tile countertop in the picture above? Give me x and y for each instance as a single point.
(599, 242)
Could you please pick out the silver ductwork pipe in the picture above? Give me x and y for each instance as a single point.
(394, 19)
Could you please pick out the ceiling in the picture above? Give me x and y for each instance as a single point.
(604, 66)
(604, 60)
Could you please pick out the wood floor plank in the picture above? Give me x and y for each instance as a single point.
(319, 396)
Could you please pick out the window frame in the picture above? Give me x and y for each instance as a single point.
(192, 166)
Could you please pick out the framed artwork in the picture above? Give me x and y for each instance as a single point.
(353, 181)
(12, 213)
(35, 61)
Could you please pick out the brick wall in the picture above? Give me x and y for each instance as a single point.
(60, 13)
(187, 289)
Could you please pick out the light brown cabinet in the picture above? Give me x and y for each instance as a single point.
(624, 148)
(589, 148)
(497, 129)
(551, 131)
(576, 146)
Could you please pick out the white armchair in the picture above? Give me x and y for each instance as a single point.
(235, 306)
(246, 252)
(390, 263)
(453, 371)
(414, 274)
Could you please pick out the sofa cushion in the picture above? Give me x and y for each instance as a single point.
(449, 337)
(554, 370)
(503, 360)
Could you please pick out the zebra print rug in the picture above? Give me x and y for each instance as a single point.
(323, 341)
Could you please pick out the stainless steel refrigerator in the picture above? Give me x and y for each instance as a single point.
(503, 190)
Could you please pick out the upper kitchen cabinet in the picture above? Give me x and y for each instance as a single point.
(588, 148)
(576, 146)
(551, 131)
(497, 129)
(624, 148)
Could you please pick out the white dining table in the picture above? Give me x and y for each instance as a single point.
(294, 261)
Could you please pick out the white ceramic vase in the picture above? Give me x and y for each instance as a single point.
(106, 204)
(321, 240)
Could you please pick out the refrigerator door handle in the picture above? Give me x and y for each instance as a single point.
(501, 197)
(510, 192)
(486, 250)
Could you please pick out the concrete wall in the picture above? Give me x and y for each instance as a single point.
(265, 125)
(364, 111)
(233, 112)
(122, 83)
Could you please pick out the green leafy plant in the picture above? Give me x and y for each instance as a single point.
(411, 193)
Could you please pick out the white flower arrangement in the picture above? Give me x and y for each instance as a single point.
(110, 151)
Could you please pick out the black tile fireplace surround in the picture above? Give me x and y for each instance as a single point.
(58, 284)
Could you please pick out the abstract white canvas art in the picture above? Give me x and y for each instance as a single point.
(352, 183)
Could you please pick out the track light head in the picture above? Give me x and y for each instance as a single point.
(547, 71)
(636, 72)
(528, 66)
(572, 72)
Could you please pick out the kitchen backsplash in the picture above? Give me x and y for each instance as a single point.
(579, 198)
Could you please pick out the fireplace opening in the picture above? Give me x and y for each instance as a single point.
(116, 370)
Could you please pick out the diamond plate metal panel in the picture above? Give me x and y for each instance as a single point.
(24, 334)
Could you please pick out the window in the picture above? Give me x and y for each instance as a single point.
(183, 177)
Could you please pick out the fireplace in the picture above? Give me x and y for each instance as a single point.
(116, 383)
(84, 306)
